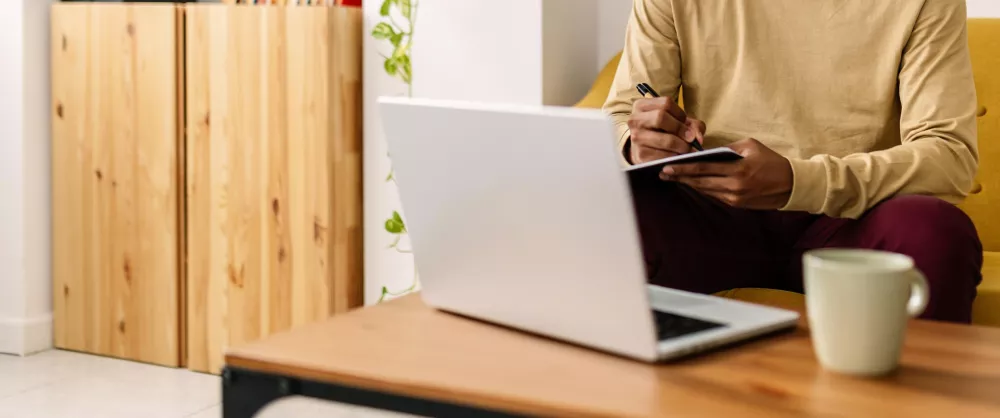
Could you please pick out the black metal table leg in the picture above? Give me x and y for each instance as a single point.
(245, 393)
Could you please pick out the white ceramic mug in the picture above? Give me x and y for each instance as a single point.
(858, 304)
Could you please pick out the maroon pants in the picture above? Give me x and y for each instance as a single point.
(695, 243)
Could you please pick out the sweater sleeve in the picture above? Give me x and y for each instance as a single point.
(651, 55)
(938, 154)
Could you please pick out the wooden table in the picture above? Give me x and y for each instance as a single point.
(406, 357)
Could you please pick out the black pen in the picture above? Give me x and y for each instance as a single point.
(645, 89)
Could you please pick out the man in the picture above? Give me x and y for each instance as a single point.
(856, 119)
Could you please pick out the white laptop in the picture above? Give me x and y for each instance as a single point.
(523, 216)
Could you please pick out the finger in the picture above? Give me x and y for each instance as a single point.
(745, 147)
(660, 141)
(703, 169)
(699, 125)
(665, 103)
(658, 119)
(708, 184)
(694, 130)
(641, 155)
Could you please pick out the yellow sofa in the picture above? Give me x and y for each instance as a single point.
(983, 204)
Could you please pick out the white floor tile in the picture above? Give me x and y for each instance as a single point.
(308, 408)
(19, 374)
(213, 412)
(62, 384)
(361, 412)
(59, 384)
(301, 407)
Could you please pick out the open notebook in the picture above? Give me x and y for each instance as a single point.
(711, 155)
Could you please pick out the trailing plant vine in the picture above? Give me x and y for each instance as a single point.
(397, 65)
(400, 36)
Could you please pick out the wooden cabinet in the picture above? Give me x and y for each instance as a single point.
(115, 167)
(273, 168)
(206, 175)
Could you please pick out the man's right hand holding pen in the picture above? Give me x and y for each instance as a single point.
(660, 129)
(763, 179)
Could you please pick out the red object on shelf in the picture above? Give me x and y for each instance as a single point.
(356, 3)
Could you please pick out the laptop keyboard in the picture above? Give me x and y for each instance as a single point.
(670, 325)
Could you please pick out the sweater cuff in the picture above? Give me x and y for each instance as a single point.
(808, 186)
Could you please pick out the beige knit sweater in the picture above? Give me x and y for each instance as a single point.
(866, 98)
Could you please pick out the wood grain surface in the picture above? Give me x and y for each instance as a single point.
(115, 189)
(273, 172)
(404, 347)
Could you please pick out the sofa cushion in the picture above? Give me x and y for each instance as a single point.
(983, 203)
(986, 310)
(769, 297)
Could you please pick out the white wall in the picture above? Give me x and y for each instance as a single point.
(25, 206)
(382, 267)
(984, 8)
(12, 307)
(525, 52)
(478, 50)
(612, 18)
(37, 175)
(568, 39)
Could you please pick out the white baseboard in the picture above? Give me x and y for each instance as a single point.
(23, 336)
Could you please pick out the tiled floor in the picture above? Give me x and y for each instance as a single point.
(62, 384)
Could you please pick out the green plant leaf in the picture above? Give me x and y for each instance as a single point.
(389, 177)
(386, 5)
(396, 40)
(393, 227)
(406, 8)
(398, 53)
(399, 219)
(383, 31)
(404, 68)
(391, 66)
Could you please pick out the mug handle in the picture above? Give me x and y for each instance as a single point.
(919, 294)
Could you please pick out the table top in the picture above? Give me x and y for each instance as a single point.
(407, 348)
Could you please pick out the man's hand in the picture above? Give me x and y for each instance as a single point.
(661, 129)
(761, 180)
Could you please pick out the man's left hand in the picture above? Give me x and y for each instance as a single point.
(761, 180)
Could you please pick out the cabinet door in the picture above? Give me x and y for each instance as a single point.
(273, 171)
(116, 245)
